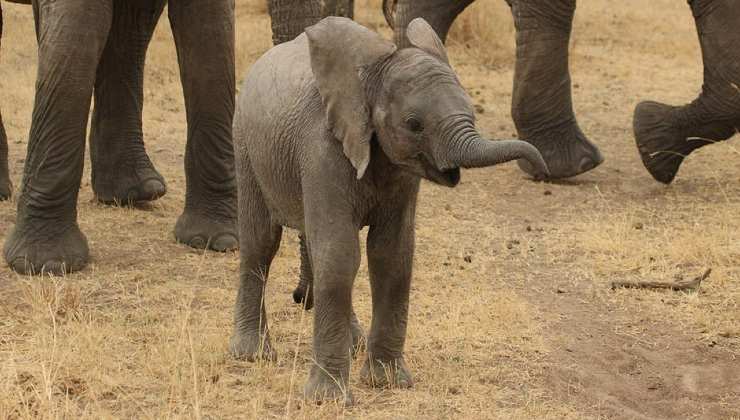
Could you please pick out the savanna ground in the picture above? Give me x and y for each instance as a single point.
(512, 315)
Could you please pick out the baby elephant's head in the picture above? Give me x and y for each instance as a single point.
(410, 99)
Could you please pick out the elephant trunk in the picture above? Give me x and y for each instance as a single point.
(466, 149)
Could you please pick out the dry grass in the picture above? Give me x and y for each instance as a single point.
(484, 32)
(511, 313)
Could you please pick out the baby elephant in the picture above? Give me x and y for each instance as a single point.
(333, 132)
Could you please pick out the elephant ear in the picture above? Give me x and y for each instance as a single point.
(422, 36)
(340, 50)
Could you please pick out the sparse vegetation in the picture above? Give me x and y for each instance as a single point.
(512, 315)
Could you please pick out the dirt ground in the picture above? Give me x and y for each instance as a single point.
(512, 315)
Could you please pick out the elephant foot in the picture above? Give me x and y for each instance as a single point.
(6, 189)
(46, 250)
(386, 374)
(303, 296)
(252, 347)
(566, 151)
(131, 185)
(203, 232)
(663, 142)
(321, 386)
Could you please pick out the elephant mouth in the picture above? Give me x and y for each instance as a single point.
(447, 177)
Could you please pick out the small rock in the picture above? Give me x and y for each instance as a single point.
(561, 291)
(638, 226)
(529, 228)
(547, 192)
(468, 259)
(453, 390)
(479, 109)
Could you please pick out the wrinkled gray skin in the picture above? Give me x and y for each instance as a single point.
(115, 35)
(666, 134)
(291, 17)
(333, 132)
(542, 107)
(5, 185)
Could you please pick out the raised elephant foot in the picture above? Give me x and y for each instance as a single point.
(203, 232)
(390, 374)
(125, 187)
(664, 141)
(252, 347)
(566, 151)
(321, 386)
(39, 250)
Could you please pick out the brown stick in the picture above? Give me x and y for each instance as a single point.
(681, 285)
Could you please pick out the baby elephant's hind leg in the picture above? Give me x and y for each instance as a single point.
(260, 240)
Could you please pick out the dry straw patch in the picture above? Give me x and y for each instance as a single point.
(643, 242)
(484, 32)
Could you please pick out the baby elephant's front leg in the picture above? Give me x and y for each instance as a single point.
(390, 252)
(336, 257)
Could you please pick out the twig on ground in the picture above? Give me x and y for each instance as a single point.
(679, 285)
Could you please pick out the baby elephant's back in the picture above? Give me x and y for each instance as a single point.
(275, 90)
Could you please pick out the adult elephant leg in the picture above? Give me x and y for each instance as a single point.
(542, 106)
(204, 36)
(71, 36)
(291, 17)
(5, 186)
(121, 169)
(439, 13)
(345, 8)
(665, 134)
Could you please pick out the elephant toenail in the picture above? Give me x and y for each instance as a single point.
(197, 242)
(152, 189)
(225, 242)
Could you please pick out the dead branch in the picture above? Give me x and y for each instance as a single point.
(679, 285)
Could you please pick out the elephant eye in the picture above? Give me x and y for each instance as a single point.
(414, 124)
